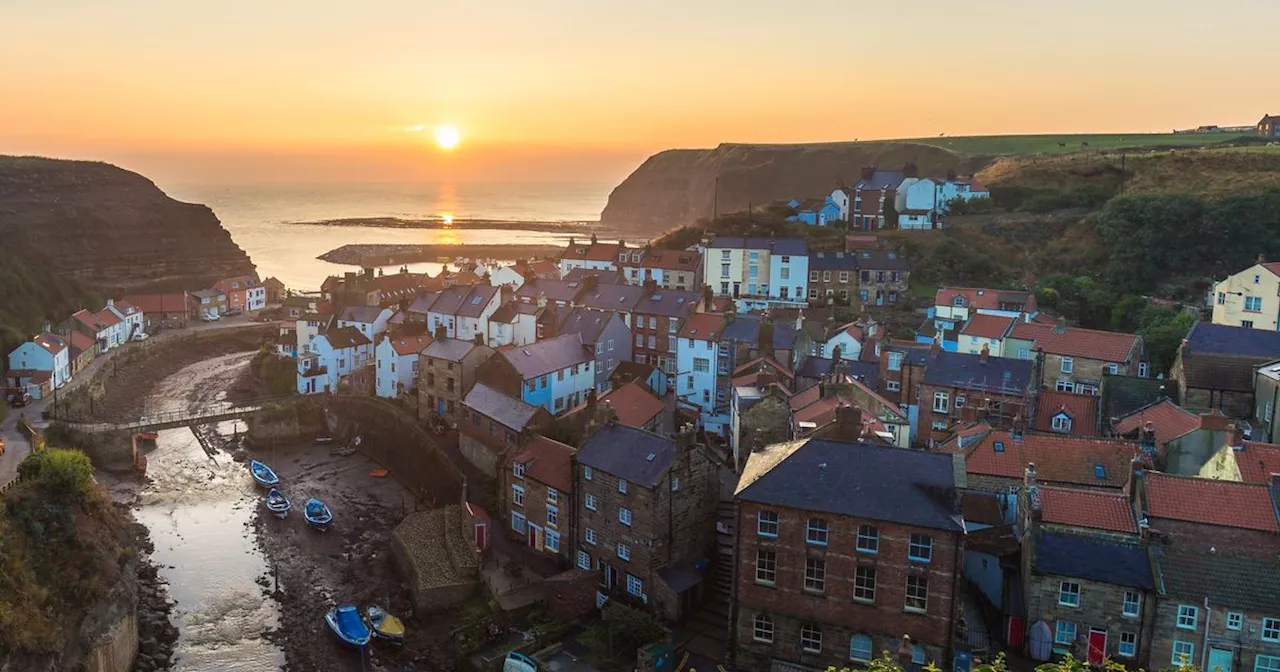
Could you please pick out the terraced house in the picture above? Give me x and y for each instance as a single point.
(758, 268)
(537, 496)
(668, 269)
(1075, 359)
(555, 374)
(494, 424)
(841, 549)
(656, 325)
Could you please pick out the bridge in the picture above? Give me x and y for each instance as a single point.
(199, 415)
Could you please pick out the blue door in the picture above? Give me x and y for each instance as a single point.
(440, 408)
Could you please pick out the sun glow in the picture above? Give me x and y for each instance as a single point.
(447, 136)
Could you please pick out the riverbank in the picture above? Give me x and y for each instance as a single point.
(375, 255)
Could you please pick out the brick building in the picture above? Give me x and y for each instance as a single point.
(833, 278)
(494, 424)
(883, 277)
(842, 548)
(1214, 368)
(1001, 388)
(668, 269)
(657, 320)
(537, 496)
(1075, 359)
(646, 509)
(446, 373)
(901, 368)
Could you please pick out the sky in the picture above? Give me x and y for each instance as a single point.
(333, 90)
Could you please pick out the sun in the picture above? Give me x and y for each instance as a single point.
(447, 136)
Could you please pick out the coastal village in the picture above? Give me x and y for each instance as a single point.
(729, 439)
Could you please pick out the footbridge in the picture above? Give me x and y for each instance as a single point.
(195, 415)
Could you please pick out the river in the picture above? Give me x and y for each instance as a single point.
(200, 512)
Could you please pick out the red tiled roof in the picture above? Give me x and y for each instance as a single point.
(1106, 346)
(80, 343)
(987, 326)
(974, 184)
(808, 396)
(1212, 502)
(703, 327)
(545, 268)
(52, 343)
(88, 319)
(410, 345)
(107, 318)
(1273, 266)
(1058, 458)
(1167, 418)
(823, 411)
(634, 404)
(985, 298)
(672, 260)
(158, 303)
(548, 462)
(1085, 508)
(1258, 461)
(1081, 408)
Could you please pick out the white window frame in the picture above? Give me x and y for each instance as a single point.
(517, 495)
(815, 575)
(635, 585)
(914, 594)
(1182, 653)
(811, 638)
(1270, 629)
(1264, 663)
(584, 561)
(893, 386)
(1069, 594)
(766, 576)
(590, 502)
(1067, 365)
(1129, 648)
(1061, 423)
(590, 536)
(551, 541)
(587, 473)
(762, 628)
(518, 522)
(864, 653)
(1188, 617)
(1113, 369)
(553, 515)
(1132, 605)
(517, 469)
(624, 516)
(1063, 628)
(766, 520)
(624, 552)
(553, 496)
(622, 485)
(941, 402)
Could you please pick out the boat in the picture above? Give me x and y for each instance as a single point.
(322, 440)
(345, 622)
(263, 474)
(148, 436)
(379, 473)
(277, 503)
(518, 662)
(384, 625)
(317, 514)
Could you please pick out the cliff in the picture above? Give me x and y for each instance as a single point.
(677, 187)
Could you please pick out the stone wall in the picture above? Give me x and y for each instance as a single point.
(1101, 606)
(571, 595)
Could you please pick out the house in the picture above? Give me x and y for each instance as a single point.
(396, 372)
(815, 211)
(557, 293)
(669, 269)
(833, 276)
(538, 497)
(1165, 420)
(555, 373)
(132, 319)
(462, 310)
(297, 305)
(494, 424)
(1269, 126)
(514, 323)
(209, 302)
(883, 277)
(594, 255)
(620, 299)
(999, 389)
(1241, 460)
(697, 352)
(871, 194)
(901, 368)
(645, 510)
(995, 460)
(636, 406)
(1122, 395)
(46, 352)
(1214, 367)
(820, 521)
(605, 334)
(447, 370)
(330, 358)
(656, 323)
(1075, 359)
(171, 310)
(244, 293)
(957, 303)
(984, 331)
(353, 289)
(600, 276)
(275, 291)
(917, 204)
(1266, 401)
(397, 289)
(965, 188)
(1066, 413)
(83, 350)
(773, 270)
(368, 320)
(1250, 298)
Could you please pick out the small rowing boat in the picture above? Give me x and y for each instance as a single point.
(385, 625)
(345, 622)
(278, 504)
(317, 514)
(264, 475)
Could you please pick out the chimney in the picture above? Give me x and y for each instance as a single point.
(848, 422)
(1033, 491)
(1147, 438)
(935, 347)
(570, 241)
(1061, 326)
(479, 339)
(799, 319)
(1018, 428)
(591, 398)
(441, 332)
(706, 298)
(868, 172)
(650, 285)
(593, 239)
(1262, 258)
(1235, 436)
(986, 352)
(969, 414)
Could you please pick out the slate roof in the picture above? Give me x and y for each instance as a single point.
(882, 260)
(622, 298)
(1167, 419)
(410, 345)
(423, 303)
(1106, 346)
(548, 461)
(1211, 502)
(670, 303)
(987, 326)
(346, 337)
(833, 261)
(511, 412)
(1081, 408)
(997, 374)
(1093, 559)
(910, 487)
(552, 354)
(587, 323)
(784, 336)
(1218, 339)
(462, 301)
(505, 314)
(743, 329)
(1086, 508)
(1059, 458)
(554, 290)
(449, 349)
(603, 276)
(362, 314)
(882, 179)
(794, 247)
(633, 403)
(1122, 395)
(703, 327)
(1229, 581)
(626, 452)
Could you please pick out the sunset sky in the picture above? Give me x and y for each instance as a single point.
(584, 90)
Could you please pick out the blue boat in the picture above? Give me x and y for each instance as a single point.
(278, 504)
(317, 514)
(263, 474)
(345, 622)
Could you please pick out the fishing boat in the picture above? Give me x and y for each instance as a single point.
(317, 514)
(345, 622)
(278, 504)
(148, 436)
(263, 474)
(385, 625)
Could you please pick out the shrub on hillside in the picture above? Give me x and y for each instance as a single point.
(67, 474)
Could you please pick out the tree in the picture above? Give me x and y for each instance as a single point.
(890, 213)
(64, 473)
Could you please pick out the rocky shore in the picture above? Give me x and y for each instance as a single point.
(156, 632)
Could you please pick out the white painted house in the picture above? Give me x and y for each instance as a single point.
(463, 310)
(508, 276)
(396, 372)
(917, 203)
(331, 357)
(967, 188)
(255, 297)
(697, 359)
(368, 320)
(515, 323)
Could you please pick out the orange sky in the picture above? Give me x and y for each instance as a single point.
(571, 89)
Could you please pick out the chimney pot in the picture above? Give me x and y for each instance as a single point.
(986, 352)
(1262, 258)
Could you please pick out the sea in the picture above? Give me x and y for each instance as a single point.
(264, 220)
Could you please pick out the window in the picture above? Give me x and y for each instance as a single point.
(1128, 644)
(1068, 365)
(724, 270)
(1184, 653)
(590, 502)
(1235, 620)
(1253, 304)
(1247, 324)
(762, 628)
(1069, 594)
(584, 561)
(920, 548)
(701, 365)
(639, 340)
(517, 468)
(1064, 386)
(767, 523)
(917, 594)
(959, 400)
(893, 386)
(941, 402)
(1131, 603)
(624, 516)
(552, 541)
(553, 496)
(860, 648)
(587, 473)
(817, 532)
(553, 515)
(868, 539)
(844, 276)
(1222, 298)
(624, 552)
(1113, 369)
(1266, 663)
(590, 536)
(815, 575)
(517, 521)
(634, 585)
(653, 342)
(893, 296)
(517, 495)
(1188, 616)
(895, 361)
(1064, 633)
(811, 639)
(766, 567)
(1062, 423)
(724, 254)
(864, 584)
(1271, 629)
(622, 485)
(813, 276)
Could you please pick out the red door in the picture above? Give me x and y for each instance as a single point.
(1015, 633)
(481, 531)
(1097, 646)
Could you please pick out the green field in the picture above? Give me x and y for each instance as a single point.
(1049, 144)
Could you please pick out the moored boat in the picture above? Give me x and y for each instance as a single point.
(277, 503)
(317, 514)
(264, 475)
(345, 622)
(518, 662)
(385, 625)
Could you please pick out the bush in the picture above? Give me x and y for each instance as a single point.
(67, 474)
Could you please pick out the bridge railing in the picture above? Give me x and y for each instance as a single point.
(179, 416)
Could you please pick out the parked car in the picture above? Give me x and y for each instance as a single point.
(209, 317)
(140, 336)
(19, 398)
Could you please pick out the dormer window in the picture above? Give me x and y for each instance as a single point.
(622, 256)
(636, 257)
(958, 302)
(1061, 423)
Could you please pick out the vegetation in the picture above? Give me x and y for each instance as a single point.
(885, 663)
(64, 475)
(1062, 144)
(34, 293)
(768, 222)
(622, 631)
(279, 374)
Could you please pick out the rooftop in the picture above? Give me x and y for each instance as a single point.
(362, 314)
(511, 412)
(52, 343)
(882, 260)
(1227, 580)
(669, 303)
(1201, 500)
(547, 356)
(622, 298)
(634, 404)
(882, 179)
(1081, 409)
(626, 452)
(1107, 346)
(345, 337)
(795, 247)
(449, 349)
(1093, 559)
(1087, 508)
(1167, 419)
(833, 261)
(159, 303)
(1004, 375)
(1058, 458)
(1218, 339)
(410, 345)
(703, 327)
(588, 323)
(549, 462)
(983, 325)
(672, 260)
(986, 299)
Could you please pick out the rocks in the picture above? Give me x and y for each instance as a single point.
(156, 633)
